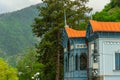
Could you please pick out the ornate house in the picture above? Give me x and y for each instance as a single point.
(75, 54)
(99, 59)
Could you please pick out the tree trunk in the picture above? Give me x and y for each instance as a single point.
(58, 66)
(58, 60)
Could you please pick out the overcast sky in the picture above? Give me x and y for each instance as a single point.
(12, 5)
(98, 5)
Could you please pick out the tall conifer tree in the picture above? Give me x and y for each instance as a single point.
(48, 26)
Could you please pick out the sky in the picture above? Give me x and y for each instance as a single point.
(13, 5)
(97, 5)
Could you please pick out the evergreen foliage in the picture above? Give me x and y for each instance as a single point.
(16, 33)
(28, 65)
(49, 26)
(111, 12)
(15, 30)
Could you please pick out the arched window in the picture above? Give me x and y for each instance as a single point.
(83, 61)
(76, 62)
(68, 46)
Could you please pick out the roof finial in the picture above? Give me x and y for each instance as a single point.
(65, 17)
(65, 20)
(91, 16)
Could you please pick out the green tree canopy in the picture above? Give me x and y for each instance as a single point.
(27, 65)
(109, 13)
(115, 3)
(7, 72)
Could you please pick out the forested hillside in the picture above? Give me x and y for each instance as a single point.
(111, 12)
(16, 31)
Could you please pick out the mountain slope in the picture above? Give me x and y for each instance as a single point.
(16, 31)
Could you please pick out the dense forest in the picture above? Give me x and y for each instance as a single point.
(16, 32)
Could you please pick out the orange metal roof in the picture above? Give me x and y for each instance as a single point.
(75, 33)
(105, 26)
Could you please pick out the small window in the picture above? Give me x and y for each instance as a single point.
(68, 62)
(76, 61)
(85, 46)
(68, 46)
(117, 61)
(81, 46)
(78, 46)
(83, 61)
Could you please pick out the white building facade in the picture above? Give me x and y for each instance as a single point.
(103, 50)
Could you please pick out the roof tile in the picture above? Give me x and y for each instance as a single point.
(75, 33)
(105, 26)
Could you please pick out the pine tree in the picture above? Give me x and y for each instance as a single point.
(48, 26)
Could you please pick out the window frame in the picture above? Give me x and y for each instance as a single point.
(117, 61)
(76, 62)
(83, 54)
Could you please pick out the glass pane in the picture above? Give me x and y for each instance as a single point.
(117, 61)
(83, 61)
(76, 62)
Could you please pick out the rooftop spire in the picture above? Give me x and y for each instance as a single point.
(91, 16)
(65, 20)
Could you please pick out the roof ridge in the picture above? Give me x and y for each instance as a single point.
(105, 26)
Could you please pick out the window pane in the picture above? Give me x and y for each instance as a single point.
(83, 61)
(68, 46)
(76, 62)
(117, 61)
